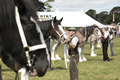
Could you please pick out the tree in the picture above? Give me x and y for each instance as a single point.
(42, 6)
(117, 14)
(48, 6)
(102, 16)
(108, 19)
(91, 13)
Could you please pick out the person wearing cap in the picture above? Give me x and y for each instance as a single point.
(104, 40)
(73, 52)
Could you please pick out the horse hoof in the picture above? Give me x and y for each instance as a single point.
(84, 59)
(53, 59)
(58, 58)
(67, 60)
(94, 55)
(80, 60)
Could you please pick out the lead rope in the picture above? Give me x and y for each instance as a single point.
(17, 76)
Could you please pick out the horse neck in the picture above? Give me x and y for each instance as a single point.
(89, 31)
(7, 13)
(45, 27)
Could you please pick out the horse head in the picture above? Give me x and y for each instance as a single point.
(21, 37)
(97, 31)
(36, 55)
(57, 30)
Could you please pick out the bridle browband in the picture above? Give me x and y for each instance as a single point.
(26, 47)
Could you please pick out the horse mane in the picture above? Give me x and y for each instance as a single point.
(27, 7)
(7, 11)
(45, 27)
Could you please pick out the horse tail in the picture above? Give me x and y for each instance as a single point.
(7, 13)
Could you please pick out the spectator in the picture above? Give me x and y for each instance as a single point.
(104, 40)
(111, 42)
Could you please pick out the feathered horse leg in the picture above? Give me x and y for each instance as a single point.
(93, 49)
(56, 51)
(80, 57)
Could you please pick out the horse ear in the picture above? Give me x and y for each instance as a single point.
(54, 19)
(61, 19)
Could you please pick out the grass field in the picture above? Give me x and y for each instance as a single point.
(93, 69)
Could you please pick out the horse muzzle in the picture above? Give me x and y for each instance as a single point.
(32, 74)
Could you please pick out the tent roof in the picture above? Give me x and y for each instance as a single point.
(74, 18)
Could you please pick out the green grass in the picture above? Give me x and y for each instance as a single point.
(93, 69)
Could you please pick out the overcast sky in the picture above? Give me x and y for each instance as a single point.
(76, 5)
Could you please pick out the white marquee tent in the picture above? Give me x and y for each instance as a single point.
(71, 18)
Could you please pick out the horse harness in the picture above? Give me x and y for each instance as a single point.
(60, 35)
(27, 48)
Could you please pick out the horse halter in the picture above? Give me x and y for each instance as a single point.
(27, 48)
(96, 31)
(60, 27)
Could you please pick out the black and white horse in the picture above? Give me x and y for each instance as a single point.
(22, 41)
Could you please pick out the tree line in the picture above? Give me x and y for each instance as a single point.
(105, 17)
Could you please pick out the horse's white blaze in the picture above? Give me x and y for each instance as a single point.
(63, 32)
